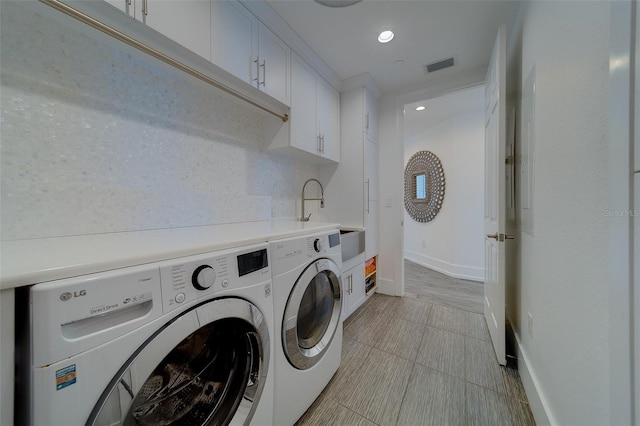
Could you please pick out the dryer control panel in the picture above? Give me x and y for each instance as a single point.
(187, 279)
(288, 254)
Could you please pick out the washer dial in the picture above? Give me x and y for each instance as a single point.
(203, 277)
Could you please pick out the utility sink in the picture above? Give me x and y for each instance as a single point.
(352, 243)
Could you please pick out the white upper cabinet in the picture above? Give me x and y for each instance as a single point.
(303, 108)
(191, 30)
(315, 113)
(124, 5)
(187, 22)
(273, 65)
(328, 107)
(243, 46)
(234, 39)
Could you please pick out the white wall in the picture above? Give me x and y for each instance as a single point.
(97, 137)
(562, 276)
(454, 240)
(561, 271)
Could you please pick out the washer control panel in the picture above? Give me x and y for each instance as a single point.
(317, 245)
(187, 279)
(203, 277)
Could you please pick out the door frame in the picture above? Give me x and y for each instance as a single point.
(391, 208)
(624, 310)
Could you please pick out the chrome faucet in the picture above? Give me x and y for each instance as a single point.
(306, 219)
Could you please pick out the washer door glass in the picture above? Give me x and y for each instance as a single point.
(211, 377)
(312, 314)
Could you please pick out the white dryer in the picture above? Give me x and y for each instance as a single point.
(187, 341)
(308, 331)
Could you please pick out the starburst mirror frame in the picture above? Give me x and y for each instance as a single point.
(424, 185)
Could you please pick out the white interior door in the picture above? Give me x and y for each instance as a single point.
(494, 195)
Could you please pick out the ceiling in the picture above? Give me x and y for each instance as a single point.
(440, 109)
(426, 31)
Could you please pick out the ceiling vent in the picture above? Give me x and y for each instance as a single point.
(439, 65)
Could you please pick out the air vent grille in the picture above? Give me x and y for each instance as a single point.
(439, 65)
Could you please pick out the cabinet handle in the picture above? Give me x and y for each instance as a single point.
(257, 79)
(350, 284)
(318, 143)
(145, 9)
(366, 121)
(322, 142)
(264, 73)
(368, 198)
(128, 2)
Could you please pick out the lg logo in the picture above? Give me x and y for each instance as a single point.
(68, 295)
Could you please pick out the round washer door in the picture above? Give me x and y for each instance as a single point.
(312, 314)
(207, 367)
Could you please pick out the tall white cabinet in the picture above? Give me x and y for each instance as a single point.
(351, 188)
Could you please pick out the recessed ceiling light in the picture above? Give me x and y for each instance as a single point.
(385, 36)
(421, 108)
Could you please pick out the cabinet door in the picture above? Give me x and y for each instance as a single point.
(234, 39)
(328, 120)
(123, 5)
(303, 107)
(371, 225)
(274, 56)
(187, 22)
(352, 290)
(370, 115)
(370, 169)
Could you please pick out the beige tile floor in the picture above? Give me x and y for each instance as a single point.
(410, 362)
(435, 287)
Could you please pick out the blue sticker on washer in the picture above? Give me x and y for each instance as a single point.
(65, 377)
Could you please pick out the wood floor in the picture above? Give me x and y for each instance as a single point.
(410, 362)
(435, 287)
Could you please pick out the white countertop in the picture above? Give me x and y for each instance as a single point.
(25, 262)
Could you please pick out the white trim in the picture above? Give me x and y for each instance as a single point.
(391, 136)
(464, 272)
(387, 287)
(7, 354)
(532, 387)
(620, 230)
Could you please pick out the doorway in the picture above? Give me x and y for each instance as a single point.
(444, 258)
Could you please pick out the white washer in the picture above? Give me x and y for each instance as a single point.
(187, 341)
(308, 331)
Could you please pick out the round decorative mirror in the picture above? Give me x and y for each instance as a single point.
(423, 186)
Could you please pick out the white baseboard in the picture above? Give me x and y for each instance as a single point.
(537, 401)
(456, 271)
(387, 287)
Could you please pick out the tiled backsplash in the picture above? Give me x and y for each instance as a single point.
(96, 137)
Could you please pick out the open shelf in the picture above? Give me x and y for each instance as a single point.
(370, 278)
